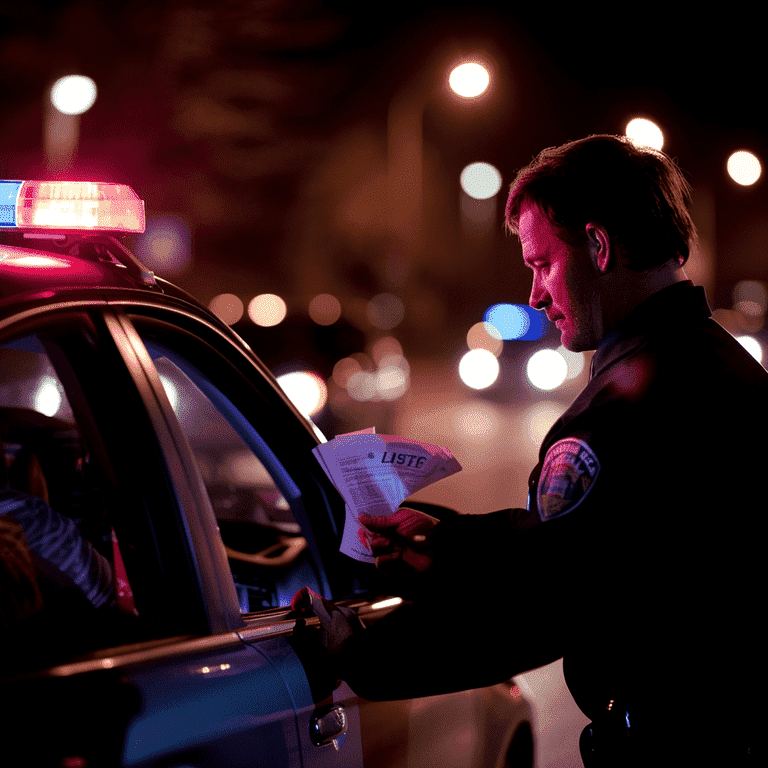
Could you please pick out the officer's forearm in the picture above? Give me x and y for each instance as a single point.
(423, 650)
(455, 635)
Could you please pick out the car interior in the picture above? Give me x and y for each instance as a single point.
(247, 486)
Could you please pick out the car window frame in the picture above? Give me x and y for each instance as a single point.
(253, 441)
(83, 352)
(254, 387)
(197, 516)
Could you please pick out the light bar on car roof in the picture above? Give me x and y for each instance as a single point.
(85, 206)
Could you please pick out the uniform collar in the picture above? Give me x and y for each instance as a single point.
(676, 303)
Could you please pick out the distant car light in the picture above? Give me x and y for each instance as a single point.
(479, 368)
(517, 322)
(547, 369)
(70, 205)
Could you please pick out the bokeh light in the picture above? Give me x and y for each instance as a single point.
(517, 321)
(392, 378)
(384, 377)
(546, 369)
(385, 347)
(744, 168)
(73, 94)
(165, 245)
(362, 386)
(574, 361)
(480, 180)
(306, 390)
(750, 298)
(485, 336)
(539, 418)
(227, 307)
(644, 133)
(47, 398)
(477, 421)
(479, 368)
(752, 345)
(385, 311)
(267, 310)
(325, 309)
(510, 320)
(344, 369)
(469, 80)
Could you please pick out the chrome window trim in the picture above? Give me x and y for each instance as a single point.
(271, 624)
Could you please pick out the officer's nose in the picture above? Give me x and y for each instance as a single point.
(539, 299)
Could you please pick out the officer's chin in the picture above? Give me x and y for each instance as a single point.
(568, 344)
(575, 343)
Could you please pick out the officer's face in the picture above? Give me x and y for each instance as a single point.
(563, 280)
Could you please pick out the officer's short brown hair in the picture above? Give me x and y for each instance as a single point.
(637, 193)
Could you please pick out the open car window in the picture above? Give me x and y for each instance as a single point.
(61, 560)
(257, 503)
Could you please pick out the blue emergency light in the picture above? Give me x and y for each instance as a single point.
(84, 206)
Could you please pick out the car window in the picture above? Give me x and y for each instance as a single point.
(61, 556)
(253, 495)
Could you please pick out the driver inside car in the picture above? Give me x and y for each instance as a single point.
(58, 549)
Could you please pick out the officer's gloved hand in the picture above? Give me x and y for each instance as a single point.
(337, 622)
(319, 650)
(402, 542)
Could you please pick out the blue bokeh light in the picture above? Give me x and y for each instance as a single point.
(517, 322)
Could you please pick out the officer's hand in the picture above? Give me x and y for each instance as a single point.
(401, 542)
(337, 623)
(319, 651)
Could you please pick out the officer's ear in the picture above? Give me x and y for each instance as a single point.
(601, 251)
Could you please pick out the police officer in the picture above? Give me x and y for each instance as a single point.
(636, 557)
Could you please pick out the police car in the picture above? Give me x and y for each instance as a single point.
(160, 506)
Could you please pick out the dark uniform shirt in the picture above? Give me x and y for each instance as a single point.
(636, 559)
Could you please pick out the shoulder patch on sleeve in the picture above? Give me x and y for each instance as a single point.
(567, 475)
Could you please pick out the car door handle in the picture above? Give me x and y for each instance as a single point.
(328, 726)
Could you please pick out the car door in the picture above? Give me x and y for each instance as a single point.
(258, 521)
(167, 446)
(269, 509)
(162, 676)
(277, 519)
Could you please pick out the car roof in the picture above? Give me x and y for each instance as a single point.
(86, 265)
(78, 269)
(24, 270)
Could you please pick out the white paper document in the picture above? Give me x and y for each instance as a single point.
(375, 473)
